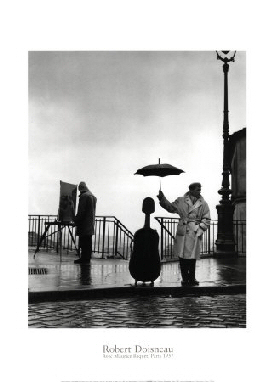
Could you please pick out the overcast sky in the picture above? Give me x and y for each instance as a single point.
(99, 116)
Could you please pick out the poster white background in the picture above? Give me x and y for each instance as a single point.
(218, 355)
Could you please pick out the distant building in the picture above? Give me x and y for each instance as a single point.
(238, 186)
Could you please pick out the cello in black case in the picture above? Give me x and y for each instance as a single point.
(144, 264)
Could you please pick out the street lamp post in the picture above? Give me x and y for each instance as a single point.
(225, 236)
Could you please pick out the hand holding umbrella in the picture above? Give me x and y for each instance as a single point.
(160, 195)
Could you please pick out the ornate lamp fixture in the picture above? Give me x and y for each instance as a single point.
(225, 237)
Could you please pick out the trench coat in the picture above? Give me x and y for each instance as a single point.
(194, 221)
(85, 217)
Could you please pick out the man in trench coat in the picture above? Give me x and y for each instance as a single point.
(84, 221)
(194, 220)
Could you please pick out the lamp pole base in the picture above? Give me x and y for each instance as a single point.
(225, 254)
(225, 243)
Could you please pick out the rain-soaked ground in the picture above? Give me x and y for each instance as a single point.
(218, 311)
(67, 295)
(47, 272)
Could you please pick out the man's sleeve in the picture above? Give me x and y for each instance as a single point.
(169, 207)
(205, 219)
(81, 210)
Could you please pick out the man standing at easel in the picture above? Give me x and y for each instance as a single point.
(84, 221)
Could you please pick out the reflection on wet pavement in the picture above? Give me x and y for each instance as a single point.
(65, 274)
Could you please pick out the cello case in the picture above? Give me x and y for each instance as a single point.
(144, 264)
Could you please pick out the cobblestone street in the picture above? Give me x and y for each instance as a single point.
(219, 311)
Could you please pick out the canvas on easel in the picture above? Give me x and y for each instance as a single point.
(67, 202)
(66, 213)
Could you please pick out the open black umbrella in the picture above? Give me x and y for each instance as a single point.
(160, 169)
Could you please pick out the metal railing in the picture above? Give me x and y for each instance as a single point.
(240, 236)
(168, 227)
(111, 238)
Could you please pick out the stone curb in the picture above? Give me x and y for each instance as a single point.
(127, 292)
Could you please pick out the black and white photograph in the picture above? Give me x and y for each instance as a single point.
(157, 237)
(136, 156)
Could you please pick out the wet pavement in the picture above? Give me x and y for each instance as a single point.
(48, 273)
(219, 311)
(102, 295)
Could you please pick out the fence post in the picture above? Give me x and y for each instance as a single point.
(104, 229)
(38, 236)
(116, 238)
(162, 240)
(208, 238)
(60, 240)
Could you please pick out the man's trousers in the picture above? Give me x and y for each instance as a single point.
(187, 267)
(85, 246)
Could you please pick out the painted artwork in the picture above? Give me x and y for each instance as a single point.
(67, 202)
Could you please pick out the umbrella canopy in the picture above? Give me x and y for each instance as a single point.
(160, 169)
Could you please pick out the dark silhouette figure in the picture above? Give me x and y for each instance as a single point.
(84, 221)
(85, 274)
(145, 264)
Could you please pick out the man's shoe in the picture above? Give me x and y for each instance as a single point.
(184, 283)
(193, 282)
(81, 261)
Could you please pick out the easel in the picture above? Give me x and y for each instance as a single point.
(61, 226)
